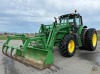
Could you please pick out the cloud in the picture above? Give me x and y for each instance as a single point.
(27, 15)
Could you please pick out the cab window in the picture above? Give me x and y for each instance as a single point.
(78, 22)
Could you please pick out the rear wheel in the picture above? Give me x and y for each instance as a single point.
(91, 39)
(68, 46)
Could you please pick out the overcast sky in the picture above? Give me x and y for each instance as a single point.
(26, 15)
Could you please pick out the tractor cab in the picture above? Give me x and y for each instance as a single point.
(73, 19)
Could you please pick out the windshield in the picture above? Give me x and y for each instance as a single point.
(71, 19)
(67, 20)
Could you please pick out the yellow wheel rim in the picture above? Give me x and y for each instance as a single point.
(94, 39)
(71, 46)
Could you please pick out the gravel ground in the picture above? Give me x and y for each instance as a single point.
(83, 62)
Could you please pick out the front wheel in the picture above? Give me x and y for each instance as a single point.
(68, 46)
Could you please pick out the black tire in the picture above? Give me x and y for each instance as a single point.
(64, 46)
(83, 39)
(88, 39)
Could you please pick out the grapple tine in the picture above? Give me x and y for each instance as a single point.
(3, 50)
(11, 52)
(6, 49)
(13, 57)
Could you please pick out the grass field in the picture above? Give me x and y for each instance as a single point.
(4, 37)
(98, 36)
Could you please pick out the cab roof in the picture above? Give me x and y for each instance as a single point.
(71, 14)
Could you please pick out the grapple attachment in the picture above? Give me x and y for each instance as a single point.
(35, 54)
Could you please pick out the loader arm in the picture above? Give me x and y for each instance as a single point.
(22, 37)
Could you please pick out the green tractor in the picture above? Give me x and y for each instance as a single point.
(68, 35)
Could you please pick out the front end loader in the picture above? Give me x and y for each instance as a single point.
(68, 34)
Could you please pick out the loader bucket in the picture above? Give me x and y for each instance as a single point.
(40, 58)
(37, 58)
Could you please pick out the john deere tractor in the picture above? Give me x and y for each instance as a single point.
(69, 35)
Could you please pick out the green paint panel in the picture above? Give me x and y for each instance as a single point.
(36, 55)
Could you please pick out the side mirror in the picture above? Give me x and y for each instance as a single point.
(55, 19)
